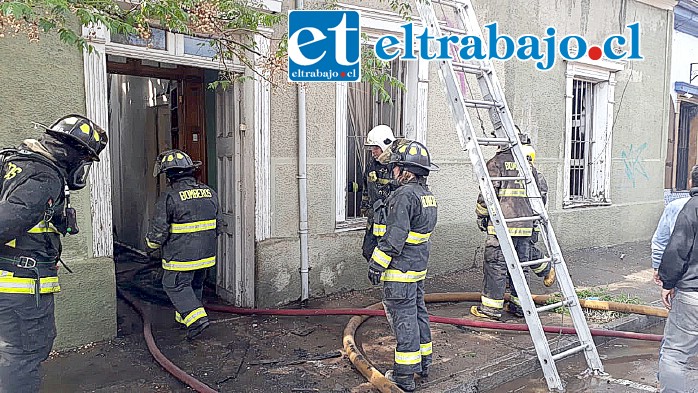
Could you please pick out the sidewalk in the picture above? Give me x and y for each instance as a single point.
(285, 354)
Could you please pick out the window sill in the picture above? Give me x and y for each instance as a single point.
(582, 204)
(351, 225)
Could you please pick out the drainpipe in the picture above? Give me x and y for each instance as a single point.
(303, 185)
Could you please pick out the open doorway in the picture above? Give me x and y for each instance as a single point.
(156, 106)
(152, 107)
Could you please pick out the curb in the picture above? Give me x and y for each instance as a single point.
(517, 365)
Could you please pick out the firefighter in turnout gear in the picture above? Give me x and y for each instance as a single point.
(513, 199)
(400, 260)
(185, 226)
(35, 183)
(377, 184)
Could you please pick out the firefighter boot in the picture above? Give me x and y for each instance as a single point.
(197, 328)
(486, 312)
(515, 310)
(404, 382)
(549, 279)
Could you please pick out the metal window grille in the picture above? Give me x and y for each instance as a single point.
(687, 112)
(582, 137)
(367, 110)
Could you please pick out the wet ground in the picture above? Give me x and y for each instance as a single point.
(304, 354)
(630, 365)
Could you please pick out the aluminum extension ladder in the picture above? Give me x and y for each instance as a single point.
(504, 134)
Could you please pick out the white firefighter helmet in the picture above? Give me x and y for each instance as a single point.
(529, 152)
(381, 136)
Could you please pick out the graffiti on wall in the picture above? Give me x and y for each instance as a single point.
(632, 159)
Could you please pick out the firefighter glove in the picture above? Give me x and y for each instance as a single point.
(374, 274)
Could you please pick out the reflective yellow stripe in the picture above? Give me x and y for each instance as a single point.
(512, 231)
(178, 317)
(12, 243)
(43, 227)
(425, 349)
(512, 192)
(190, 227)
(378, 229)
(194, 316)
(189, 265)
(417, 238)
(151, 244)
(491, 302)
(381, 258)
(537, 229)
(514, 300)
(540, 268)
(481, 210)
(408, 357)
(10, 284)
(398, 276)
(383, 181)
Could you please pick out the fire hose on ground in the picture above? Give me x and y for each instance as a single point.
(375, 377)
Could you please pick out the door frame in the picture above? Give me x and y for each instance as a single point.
(254, 181)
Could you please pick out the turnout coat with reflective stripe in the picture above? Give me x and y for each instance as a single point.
(512, 195)
(403, 249)
(186, 224)
(31, 214)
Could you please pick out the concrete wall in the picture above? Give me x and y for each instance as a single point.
(537, 100)
(42, 82)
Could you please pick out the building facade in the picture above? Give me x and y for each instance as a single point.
(599, 129)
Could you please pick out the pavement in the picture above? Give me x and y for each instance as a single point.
(305, 354)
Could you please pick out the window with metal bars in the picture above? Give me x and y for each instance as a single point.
(366, 110)
(581, 138)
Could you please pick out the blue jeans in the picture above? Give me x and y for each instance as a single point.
(680, 343)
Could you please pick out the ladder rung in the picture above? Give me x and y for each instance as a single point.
(468, 67)
(535, 262)
(510, 178)
(481, 104)
(519, 219)
(493, 141)
(553, 306)
(571, 351)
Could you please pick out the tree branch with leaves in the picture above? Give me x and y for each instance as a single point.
(229, 25)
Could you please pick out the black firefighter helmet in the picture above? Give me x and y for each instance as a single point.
(80, 133)
(174, 161)
(414, 156)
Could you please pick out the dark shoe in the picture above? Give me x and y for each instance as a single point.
(486, 312)
(425, 372)
(515, 310)
(197, 328)
(404, 382)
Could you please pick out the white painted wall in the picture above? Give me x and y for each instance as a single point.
(684, 52)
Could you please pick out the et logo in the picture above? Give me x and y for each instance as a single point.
(324, 46)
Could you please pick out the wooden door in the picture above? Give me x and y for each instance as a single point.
(235, 271)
